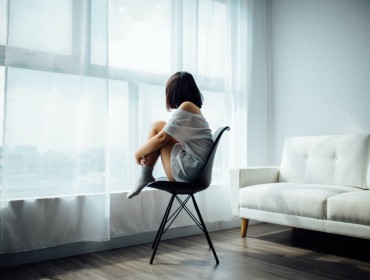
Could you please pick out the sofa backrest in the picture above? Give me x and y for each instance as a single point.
(335, 160)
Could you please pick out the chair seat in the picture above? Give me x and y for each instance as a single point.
(176, 187)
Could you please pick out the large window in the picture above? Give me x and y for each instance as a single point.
(86, 78)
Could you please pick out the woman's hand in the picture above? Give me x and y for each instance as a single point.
(142, 160)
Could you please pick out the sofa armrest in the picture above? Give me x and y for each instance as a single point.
(244, 177)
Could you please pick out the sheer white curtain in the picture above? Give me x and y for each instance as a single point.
(81, 81)
(54, 147)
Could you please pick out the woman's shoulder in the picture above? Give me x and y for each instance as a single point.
(190, 107)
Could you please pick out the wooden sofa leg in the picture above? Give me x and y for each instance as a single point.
(244, 227)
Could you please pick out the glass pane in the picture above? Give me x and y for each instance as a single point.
(41, 25)
(54, 140)
(140, 35)
(121, 156)
(189, 26)
(99, 32)
(2, 22)
(212, 38)
(152, 107)
(215, 102)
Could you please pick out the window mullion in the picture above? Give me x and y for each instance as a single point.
(81, 30)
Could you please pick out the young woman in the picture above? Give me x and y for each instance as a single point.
(183, 143)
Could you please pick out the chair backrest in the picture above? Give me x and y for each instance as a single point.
(204, 179)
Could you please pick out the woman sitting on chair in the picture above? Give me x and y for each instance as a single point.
(183, 143)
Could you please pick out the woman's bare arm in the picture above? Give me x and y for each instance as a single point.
(152, 145)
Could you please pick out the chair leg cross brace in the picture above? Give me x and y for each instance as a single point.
(166, 219)
(162, 228)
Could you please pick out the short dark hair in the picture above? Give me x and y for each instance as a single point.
(181, 87)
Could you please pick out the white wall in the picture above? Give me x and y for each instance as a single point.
(320, 75)
(257, 83)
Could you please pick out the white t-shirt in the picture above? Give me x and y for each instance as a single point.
(195, 142)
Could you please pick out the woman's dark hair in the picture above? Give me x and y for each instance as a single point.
(181, 87)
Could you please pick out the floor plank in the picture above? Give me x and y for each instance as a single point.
(268, 252)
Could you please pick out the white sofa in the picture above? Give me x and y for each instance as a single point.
(322, 184)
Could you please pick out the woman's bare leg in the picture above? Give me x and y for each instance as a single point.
(164, 152)
(150, 160)
(154, 129)
(166, 159)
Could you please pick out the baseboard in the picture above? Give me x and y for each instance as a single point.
(68, 250)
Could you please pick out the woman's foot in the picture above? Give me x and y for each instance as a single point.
(145, 178)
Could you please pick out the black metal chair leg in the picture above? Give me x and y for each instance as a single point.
(161, 227)
(205, 229)
(160, 231)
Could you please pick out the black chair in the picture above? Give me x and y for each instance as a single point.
(202, 182)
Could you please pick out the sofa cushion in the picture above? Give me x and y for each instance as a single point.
(352, 207)
(332, 160)
(307, 200)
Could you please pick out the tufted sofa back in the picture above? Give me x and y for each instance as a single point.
(334, 160)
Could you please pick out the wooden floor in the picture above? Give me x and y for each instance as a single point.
(268, 252)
